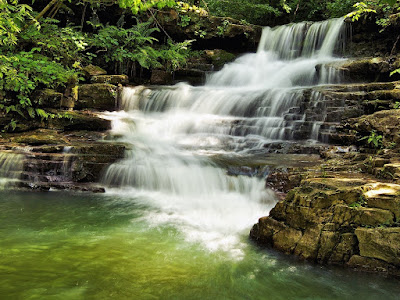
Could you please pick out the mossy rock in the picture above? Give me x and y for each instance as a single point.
(91, 70)
(39, 137)
(48, 98)
(97, 96)
(110, 79)
(219, 57)
(75, 120)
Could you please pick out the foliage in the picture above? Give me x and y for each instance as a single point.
(21, 74)
(184, 21)
(137, 6)
(397, 71)
(339, 8)
(13, 16)
(374, 139)
(381, 7)
(252, 11)
(122, 46)
(63, 45)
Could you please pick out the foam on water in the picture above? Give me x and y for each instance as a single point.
(174, 130)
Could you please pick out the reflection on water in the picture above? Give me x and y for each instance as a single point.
(76, 246)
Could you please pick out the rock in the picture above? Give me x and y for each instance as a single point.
(371, 265)
(308, 246)
(48, 98)
(386, 123)
(91, 70)
(271, 232)
(219, 57)
(39, 137)
(74, 120)
(110, 79)
(98, 96)
(380, 243)
(160, 77)
(192, 76)
(345, 249)
(366, 69)
(214, 32)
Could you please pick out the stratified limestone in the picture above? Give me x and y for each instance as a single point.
(110, 79)
(91, 70)
(380, 243)
(97, 96)
(337, 218)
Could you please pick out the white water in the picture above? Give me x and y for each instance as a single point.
(174, 131)
(11, 166)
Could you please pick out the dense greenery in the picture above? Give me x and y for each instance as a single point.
(41, 55)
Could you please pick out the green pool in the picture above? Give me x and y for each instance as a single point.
(80, 246)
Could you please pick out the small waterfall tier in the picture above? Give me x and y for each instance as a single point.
(180, 134)
(11, 167)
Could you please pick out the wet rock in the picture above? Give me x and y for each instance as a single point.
(75, 120)
(91, 70)
(48, 98)
(219, 57)
(368, 264)
(380, 243)
(333, 217)
(39, 137)
(110, 79)
(192, 76)
(98, 96)
(160, 77)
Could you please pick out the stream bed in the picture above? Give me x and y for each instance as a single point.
(109, 246)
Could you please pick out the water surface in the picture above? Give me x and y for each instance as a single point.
(77, 246)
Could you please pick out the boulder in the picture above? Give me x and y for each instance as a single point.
(97, 96)
(75, 120)
(110, 79)
(91, 70)
(48, 98)
(219, 57)
(380, 243)
(160, 77)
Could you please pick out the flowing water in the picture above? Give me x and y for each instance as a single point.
(11, 166)
(173, 224)
(76, 246)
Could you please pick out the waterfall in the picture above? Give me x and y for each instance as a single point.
(179, 134)
(11, 167)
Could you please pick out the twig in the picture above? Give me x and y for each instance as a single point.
(159, 25)
(395, 46)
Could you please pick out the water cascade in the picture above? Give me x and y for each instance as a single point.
(11, 167)
(177, 132)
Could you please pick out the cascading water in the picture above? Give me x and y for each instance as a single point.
(11, 166)
(175, 133)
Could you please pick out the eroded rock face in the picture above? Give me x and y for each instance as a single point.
(98, 96)
(91, 70)
(215, 32)
(110, 79)
(337, 217)
(66, 153)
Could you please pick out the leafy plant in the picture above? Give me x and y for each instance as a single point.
(200, 33)
(184, 20)
(221, 29)
(374, 139)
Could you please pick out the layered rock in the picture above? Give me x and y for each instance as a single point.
(338, 218)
